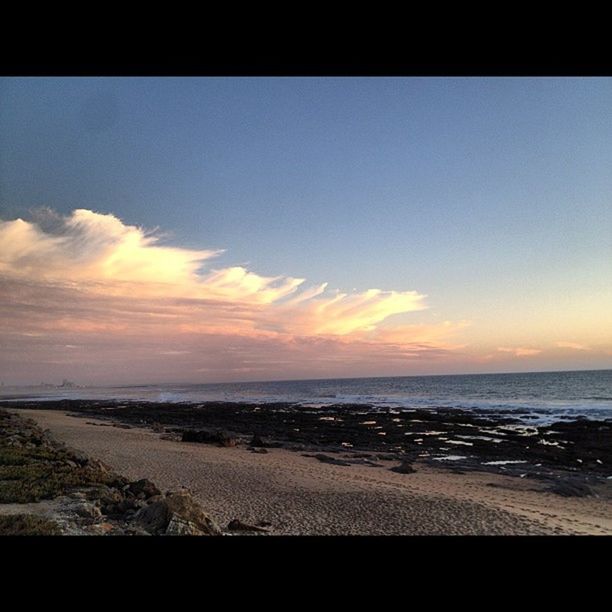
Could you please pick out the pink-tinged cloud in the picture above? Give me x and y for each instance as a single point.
(89, 289)
(519, 351)
(573, 345)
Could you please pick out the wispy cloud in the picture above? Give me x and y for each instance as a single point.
(519, 351)
(100, 254)
(573, 345)
(89, 280)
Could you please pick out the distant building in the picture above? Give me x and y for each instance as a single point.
(66, 384)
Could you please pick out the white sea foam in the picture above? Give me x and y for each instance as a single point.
(486, 438)
(449, 458)
(547, 443)
(539, 398)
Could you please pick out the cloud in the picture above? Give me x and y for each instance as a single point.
(100, 254)
(520, 351)
(94, 283)
(573, 345)
(96, 248)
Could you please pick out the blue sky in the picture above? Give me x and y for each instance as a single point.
(492, 196)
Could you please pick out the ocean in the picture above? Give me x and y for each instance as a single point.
(548, 394)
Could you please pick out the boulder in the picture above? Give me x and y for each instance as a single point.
(87, 510)
(79, 457)
(223, 438)
(405, 467)
(258, 442)
(157, 516)
(154, 518)
(227, 440)
(129, 504)
(180, 527)
(155, 498)
(109, 497)
(143, 489)
(192, 435)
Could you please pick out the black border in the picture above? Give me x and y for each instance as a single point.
(193, 66)
(510, 561)
(460, 53)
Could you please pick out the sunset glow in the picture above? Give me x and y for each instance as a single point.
(341, 248)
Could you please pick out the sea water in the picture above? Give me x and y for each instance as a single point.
(544, 394)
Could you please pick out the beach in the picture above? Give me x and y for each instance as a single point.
(301, 495)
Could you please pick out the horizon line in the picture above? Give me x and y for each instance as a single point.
(246, 382)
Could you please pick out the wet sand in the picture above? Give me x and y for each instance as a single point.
(301, 496)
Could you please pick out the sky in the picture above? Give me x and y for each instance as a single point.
(227, 229)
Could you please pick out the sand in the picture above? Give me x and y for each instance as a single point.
(301, 496)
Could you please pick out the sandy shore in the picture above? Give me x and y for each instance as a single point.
(300, 495)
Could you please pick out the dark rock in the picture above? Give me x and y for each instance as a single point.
(191, 435)
(386, 457)
(222, 438)
(154, 518)
(571, 489)
(405, 467)
(258, 442)
(327, 459)
(155, 498)
(79, 457)
(259, 451)
(301, 428)
(94, 491)
(129, 504)
(143, 489)
(227, 440)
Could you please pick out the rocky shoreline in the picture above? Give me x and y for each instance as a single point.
(47, 488)
(569, 457)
